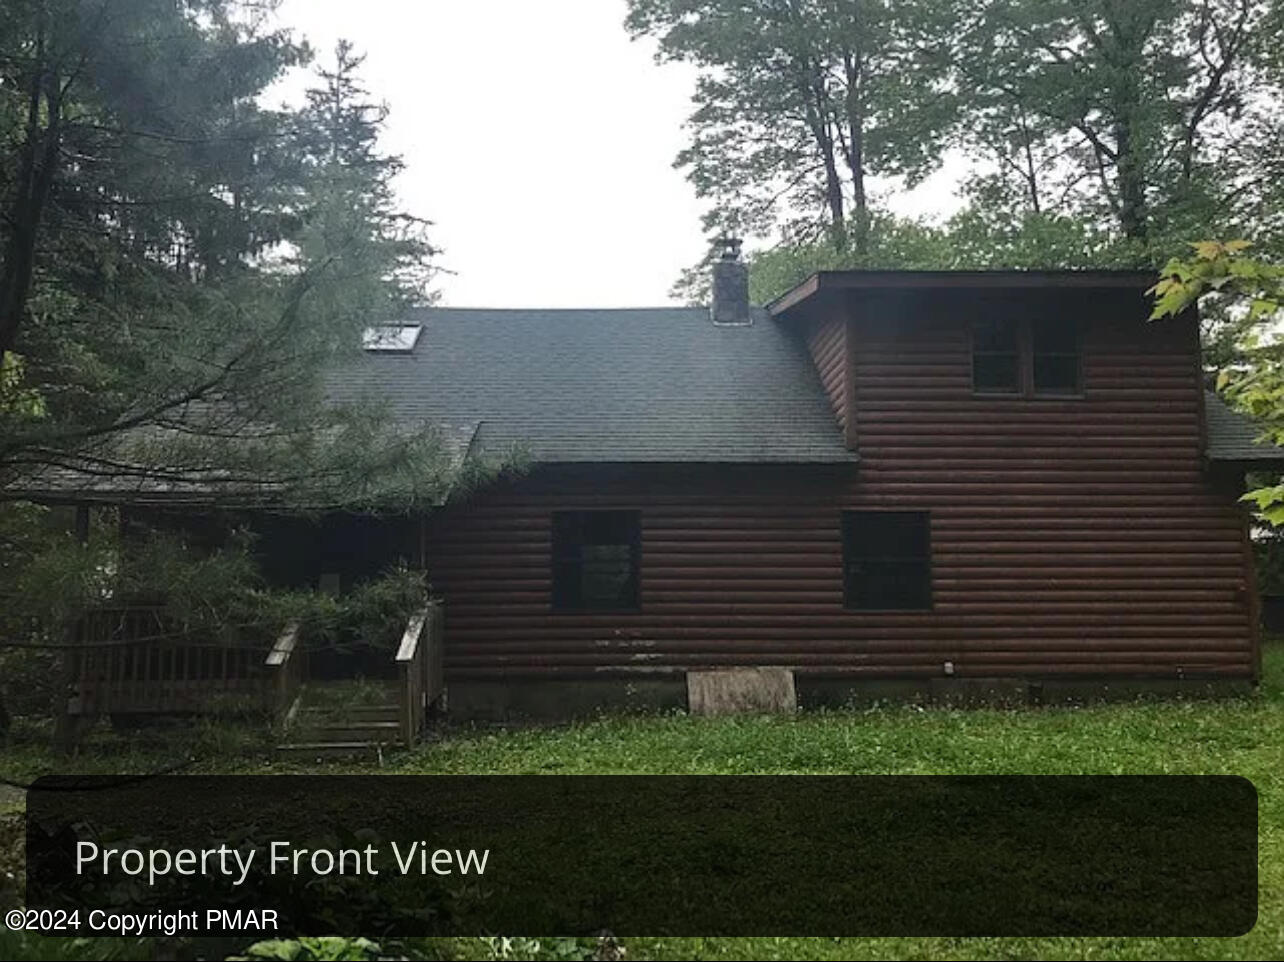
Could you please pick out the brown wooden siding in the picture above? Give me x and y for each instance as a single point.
(827, 343)
(1074, 537)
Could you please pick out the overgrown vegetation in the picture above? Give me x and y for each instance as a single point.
(1231, 736)
(181, 269)
(180, 265)
(52, 579)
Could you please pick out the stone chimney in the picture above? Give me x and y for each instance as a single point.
(730, 285)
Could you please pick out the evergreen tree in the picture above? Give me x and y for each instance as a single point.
(339, 129)
(181, 265)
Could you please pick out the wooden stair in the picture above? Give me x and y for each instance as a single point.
(358, 716)
(335, 730)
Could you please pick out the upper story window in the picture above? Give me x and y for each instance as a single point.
(1054, 352)
(887, 560)
(1026, 357)
(996, 357)
(595, 560)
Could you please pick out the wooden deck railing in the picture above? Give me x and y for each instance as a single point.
(138, 659)
(420, 664)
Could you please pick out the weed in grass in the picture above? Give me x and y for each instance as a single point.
(1242, 736)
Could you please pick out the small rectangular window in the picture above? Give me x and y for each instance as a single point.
(595, 560)
(1055, 352)
(996, 357)
(887, 560)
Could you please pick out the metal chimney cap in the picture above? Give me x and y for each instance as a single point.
(730, 247)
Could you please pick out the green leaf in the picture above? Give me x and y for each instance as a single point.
(1262, 307)
(285, 950)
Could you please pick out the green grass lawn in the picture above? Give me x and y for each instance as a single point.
(1239, 736)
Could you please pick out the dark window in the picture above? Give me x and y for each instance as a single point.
(996, 357)
(887, 560)
(1054, 347)
(595, 560)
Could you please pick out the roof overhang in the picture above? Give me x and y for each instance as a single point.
(824, 284)
(1269, 462)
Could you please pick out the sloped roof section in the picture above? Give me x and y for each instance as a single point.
(1235, 437)
(618, 385)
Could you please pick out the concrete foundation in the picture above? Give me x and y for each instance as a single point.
(564, 700)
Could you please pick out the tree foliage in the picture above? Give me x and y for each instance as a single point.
(800, 102)
(207, 589)
(181, 267)
(1153, 118)
(181, 264)
(1094, 132)
(974, 239)
(1229, 280)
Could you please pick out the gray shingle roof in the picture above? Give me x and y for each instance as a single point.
(1235, 437)
(624, 385)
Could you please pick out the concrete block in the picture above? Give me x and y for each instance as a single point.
(740, 691)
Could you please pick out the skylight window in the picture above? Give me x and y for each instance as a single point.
(392, 338)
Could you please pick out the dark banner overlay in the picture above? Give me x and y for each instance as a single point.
(385, 856)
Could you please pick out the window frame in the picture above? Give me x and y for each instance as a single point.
(1018, 354)
(1026, 355)
(1076, 334)
(848, 520)
(558, 560)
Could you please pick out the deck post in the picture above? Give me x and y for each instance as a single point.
(413, 660)
(70, 721)
(286, 667)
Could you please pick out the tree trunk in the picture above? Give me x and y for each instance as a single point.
(1031, 172)
(854, 105)
(1127, 62)
(810, 86)
(834, 199)
(1132, 184)
(36, 170)
(860, 202)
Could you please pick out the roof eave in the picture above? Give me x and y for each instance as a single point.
(837, 460)
(830, 281)
(1262, 462)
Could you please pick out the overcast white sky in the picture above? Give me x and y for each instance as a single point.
(539, 139)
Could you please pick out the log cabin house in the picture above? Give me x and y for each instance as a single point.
(888, 482)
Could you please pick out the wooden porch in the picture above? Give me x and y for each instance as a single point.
(130, 661)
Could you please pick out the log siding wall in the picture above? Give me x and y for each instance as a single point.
(1071, 538)
(827, 344)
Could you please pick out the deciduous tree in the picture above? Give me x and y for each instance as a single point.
(1153, 118)
(1228, 282)
(799, 103)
